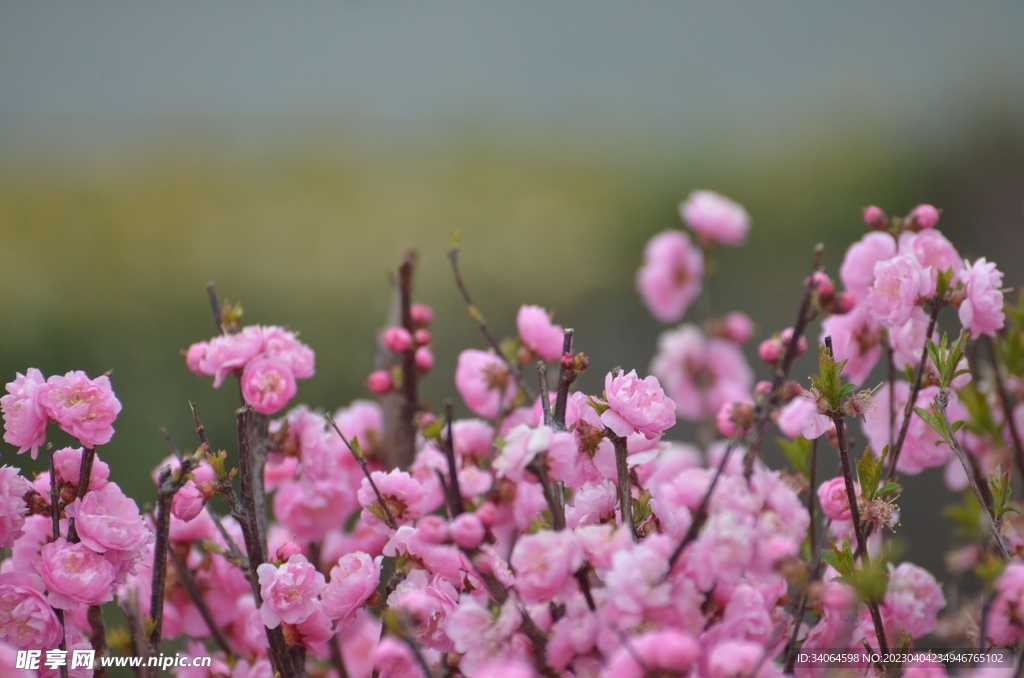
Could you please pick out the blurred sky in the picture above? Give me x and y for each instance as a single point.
(609, 66)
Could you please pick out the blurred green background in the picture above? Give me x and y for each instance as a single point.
(292, 155)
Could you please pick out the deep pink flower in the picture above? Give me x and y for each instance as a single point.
(422, 315)
(380, 382)
(289, 591)
(75, 574)
(671, 275)
(230, 352)
(484, 382)
(25, 418)
(637, 406)
(982, 309)
(858, 269)
(715, 217)
(107, 520)
(538, 333)
(83, 407)
(468, 531)
(353, 580)
(12, 505)
(188, 502)
(282, 346)
(835, 503)
(26, 619)
(544, 562)
(194, 357)
(68, 464)
(267, 385)
(424, 359)
(900, 283)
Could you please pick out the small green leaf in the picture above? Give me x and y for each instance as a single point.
(798, 451)
(889, 488)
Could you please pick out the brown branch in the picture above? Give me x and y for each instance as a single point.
(566, 377)
(1004, 400)
(625, 493)
(453, 491)
(98, 639)
(55, 510)
(545, 399)
(215, 307)
(701, 513)
(197, 599)
(388, 518)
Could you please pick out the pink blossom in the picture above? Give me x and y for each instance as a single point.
(982, 309)
(395, 659)
(362, 419)
(736, 327)
(913, 599)
(310, 516)
(700, 375)
(919, 449)
(484, 382)
(397, 339)
(353, 580)
(468, 531)
(194, 357)
(188, 502)
(25, 417)
(13, 507)
(424, 359)
(26, 619)
(405, 498)
(83, 407)
(523, 443)
(858, 269)
(422, 315)
(538, 333)
(636, 405)
(739, 659)
(715, 217)
(267, 385)
(284, 348)
(875, 218)
(107, 520)
(800, 417)
(900, 283)
(380, 382)
(932, 249)
(1006, 614)
(289, 591)
(834, 501)
(671, 275)
(473, 437)
(231, 352)
(735, 419)
(666, 651)
(855, 339)
(923, 216)
(907, 340)
(544, 562)
(68, 464)
(74, 574)
(482, 638)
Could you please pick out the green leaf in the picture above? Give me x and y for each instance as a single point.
(798, 451)
(869, 473)
(889, 488)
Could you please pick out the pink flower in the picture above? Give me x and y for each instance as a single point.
(107, 520)
(468, 531)
(855, 339)
(900, 283)
(699, 374)
(380, 382)
(394, 659)
(74, 574)
(913, 599)
(544, 562)
(484, 382)
(68, 464)
(267, 385)
(922, 216)
(289, 591)
(424, 359)
(715, 217)
(26, 619)
(353, 580)
(12, 505)
(982, 309)
(230, 352)
(188, 502)
(1006, 615)
(932, 249)
(311, 516)
(919, 449)
(422, 315)
(24, 416)
(858, 269)
(194, 357)
(406, 499)
(664, 652)
(538, 333)
(834, 502)
(473, 437)
(83, 407)
(636, 405)
(670, 277)
(282, 346)
(735, 419)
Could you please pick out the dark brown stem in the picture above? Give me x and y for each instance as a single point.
(215, 307)
(250, 428)
(908, 411)
(1004, 400)
(55, 509)
(129, 605)
(474, 312)
(406, 438)
(545, 399)
(98, 639)
(702, 511)
(454, 492)
(388, 518)
(197, 599)
(764, 408)
(812, 575)
(625, 493)
(84, 473)
(565, 379)
(163, 526)
(892, 400)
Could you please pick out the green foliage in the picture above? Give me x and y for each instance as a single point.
(870, 583)
(1000, 484)
(869, 472)
(798, 451)
(827, 382)
(947, 358)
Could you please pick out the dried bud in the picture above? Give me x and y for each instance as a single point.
(842, 303)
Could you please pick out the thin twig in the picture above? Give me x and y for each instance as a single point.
(625, 493)
(197, 599)
(388, 518)
(454, 492)
(215, 307)
(566, 377)
(55, 510)
(545, 399)
(474, 312)
(98, 639)
(1004, 400)
(701, 513)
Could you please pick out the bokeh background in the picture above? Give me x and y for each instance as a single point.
(292, 152)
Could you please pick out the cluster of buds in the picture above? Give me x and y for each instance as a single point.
(400, 340)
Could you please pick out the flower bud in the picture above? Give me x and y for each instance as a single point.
(380, 382)
(488, 514)
(422, 337)
(763, 388)
(922, 217)
(876, 218)
(397, 339)
(735, 419)
(842, 303)
(467, 531)
(770, 351)
(424, 359)
(422, 315)
(287, 550)
(787, 335)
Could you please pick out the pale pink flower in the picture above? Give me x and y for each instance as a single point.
(538, 333)
(13, 507)
(637, 406)
(406, 499)
(913, 599)
(666, 651)
(523, 443)
(900, 283)
(83, 407)
(26, 619)
(473, 437)
(858, 269)
(919, 449)
(481, 637)
(468, 531)
(229, 353)
(736, 326)
(800, 417)
(699, 374)
(310, 516)
(188, 502)
(267, 385)
(1006, 614)
(282, 346)
(194, 357)
(289, 591)
(74, 575)
(982, 309)
(25, 417)
(68, 464)
(671, 275)
(484, 382)
(715, 217)
(353, 580)
(834, 501)
(363, 420)
(393, 658)
(735, 419)
(932, 249)
(544, 562)
(739, 659)
(107, 520)
(855, 339)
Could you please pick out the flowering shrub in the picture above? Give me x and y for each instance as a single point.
(561, 533)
